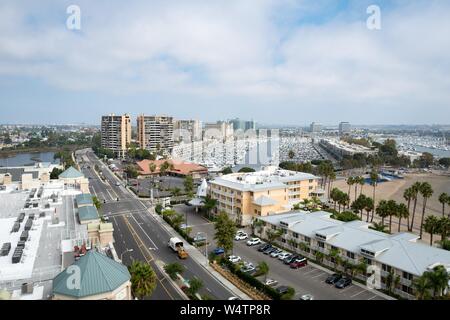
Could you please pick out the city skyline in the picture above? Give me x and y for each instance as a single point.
(314, 61)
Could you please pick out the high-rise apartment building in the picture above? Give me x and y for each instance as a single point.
(244, 125)
(315, 127)
(218, 130)
(155, 133)
(344, 127)
(187, 130)
(116, 133)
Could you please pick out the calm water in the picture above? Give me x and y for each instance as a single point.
(24, 159)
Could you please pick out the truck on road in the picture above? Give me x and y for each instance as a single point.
(177, 246)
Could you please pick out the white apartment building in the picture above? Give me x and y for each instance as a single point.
(187, 130)
(155, 133)
(399, 256)
(218, 130)
(340, 148)
(116, 133)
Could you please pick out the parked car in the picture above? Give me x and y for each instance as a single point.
(271, 282)
(306, 297)
(343, 283)
(233, 298)
(248, 269)
(282, 289)
(333, 278)
(298, 263)
(264, 247)
(234, 259)
(276, 253)
(219, 251)
(253, 241)
(284, 255)
(241, 236)
(270, 250)
(290, 259)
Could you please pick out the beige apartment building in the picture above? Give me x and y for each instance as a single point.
(187, 130)
(245, 196)
(116, 133)
(155, 133)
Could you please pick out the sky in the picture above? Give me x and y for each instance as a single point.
(286, 62)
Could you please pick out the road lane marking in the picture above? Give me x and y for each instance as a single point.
(155, 246)
(319, 275)
(357, 294)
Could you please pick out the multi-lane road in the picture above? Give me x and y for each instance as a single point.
(136, 229)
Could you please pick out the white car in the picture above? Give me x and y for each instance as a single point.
(307, 297)
(271, 282)
(276, 253)
(248, 264)
(241, 236)
(253, 242)
(234, 259)
(284, 255)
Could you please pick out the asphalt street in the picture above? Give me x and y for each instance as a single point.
(135, 228)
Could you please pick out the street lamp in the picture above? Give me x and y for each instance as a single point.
(206, 245)
(128, 250)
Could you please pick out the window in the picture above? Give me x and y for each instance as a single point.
(386, 268)
(307, 240)
(274, 227)
(311, 180)
(295, 235)
(283, 240)
(407, 275)
(321, 244)
(368, 261)
(351, 255)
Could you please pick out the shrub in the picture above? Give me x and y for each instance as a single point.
(172, 269)
(158, 208)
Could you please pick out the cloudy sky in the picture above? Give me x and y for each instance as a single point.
(274, 61)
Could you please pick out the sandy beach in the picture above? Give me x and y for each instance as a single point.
(394, 190)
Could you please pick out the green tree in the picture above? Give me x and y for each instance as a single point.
(319, 256)
(378, 227)
(369, 207)
(335, 257)
(415, 194)
(195, 285)
(291, 154)
(225, 232)
(209, 204)
(246, 169)
(227, 170)
(431, 226)
(143, 279)
(444, 227)
(172, 269)
(188, 184)
(176, 192)
(402, 213)
(374, 183)
(422, 288)
(96, 202)
(263, 270)
(426, 191)
(272, 236)
(55, 173)
(444, 199)
(408, 195)
(438, 279)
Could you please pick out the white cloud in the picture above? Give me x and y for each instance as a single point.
(236, 48)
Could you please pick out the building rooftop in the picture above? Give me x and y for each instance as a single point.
(99, 274)
(84, 199)
(400, 250)
(179, 167)
(266, 179)
(88, 213)
(71, 173)
(265, 201)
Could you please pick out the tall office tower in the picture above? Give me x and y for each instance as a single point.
(187, 130)
(344, 127)
(219, 130)
(315, 127)
(239, 124)
(116, 133)
(155, 133)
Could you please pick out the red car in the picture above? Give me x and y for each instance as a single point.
(298, 263)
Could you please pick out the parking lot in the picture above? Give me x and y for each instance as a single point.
(305, 280)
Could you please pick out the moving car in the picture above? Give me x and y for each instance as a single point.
(333, 278)
(219, 251)
(241, 236)
(343, 283)
(284, 255)
(264, 247)
(234, 259)
(276, 253)
(306, 297)
(271, 282)
(253, 241)
(298, 263)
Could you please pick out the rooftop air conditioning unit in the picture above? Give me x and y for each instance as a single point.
(27, 288)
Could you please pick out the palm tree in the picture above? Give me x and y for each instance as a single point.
(382, 210)
(426, 191)
(378, 227)
(368, 207)
(438, 279)
(415, 193)
(143, 279)
(421, 287)
(350, 183)
(408, 196)
(319, 256)
(344, 200)
(431, 226)
(361, 182)
(331, 178)
(374, 182)
(402, 212)
(263, 268)
(334, 195)
(334, 255)
(209, 204)
(391, 211)
(195, 285)
(444, 228)
(444, 199)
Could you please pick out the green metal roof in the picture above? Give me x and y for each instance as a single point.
(88, 213)
(71, 173)
(99, 274)
(84, 199)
